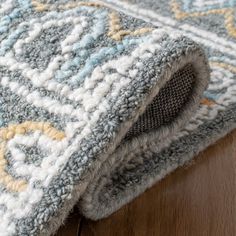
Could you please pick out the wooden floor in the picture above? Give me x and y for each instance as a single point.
(197, 200)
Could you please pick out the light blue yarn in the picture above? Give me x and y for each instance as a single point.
(6, 20)
(7, 44)
(13, 37)
(16, 13)
(95, 59)
(212, 96)
(82, 46)
(222, 59)
(97, 30)
(188, 6)
(105, 53)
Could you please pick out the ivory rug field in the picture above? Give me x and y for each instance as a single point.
(101, 99)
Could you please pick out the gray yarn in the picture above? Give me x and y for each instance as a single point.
(123, 106)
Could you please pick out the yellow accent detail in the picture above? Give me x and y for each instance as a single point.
(76, 4)
(8, 133)
(228, 14)
(40, 6)
(207, 102)
(47, 7)
(229, 22)
(115, 30)
(224, 66)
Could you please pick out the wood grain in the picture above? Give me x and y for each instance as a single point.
(71, 226)
(196, 200)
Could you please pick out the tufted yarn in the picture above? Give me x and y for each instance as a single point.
(101, 99)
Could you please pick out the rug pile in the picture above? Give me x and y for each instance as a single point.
(101, 99)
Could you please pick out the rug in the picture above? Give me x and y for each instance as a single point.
(101, 99)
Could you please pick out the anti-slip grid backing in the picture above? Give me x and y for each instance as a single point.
(167, 104)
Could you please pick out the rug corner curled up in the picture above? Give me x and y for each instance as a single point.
(89, 98)
(177, 75)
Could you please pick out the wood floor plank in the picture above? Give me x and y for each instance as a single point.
(197, 200)
(71, 226)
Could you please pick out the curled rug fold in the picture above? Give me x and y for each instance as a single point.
(93, 103)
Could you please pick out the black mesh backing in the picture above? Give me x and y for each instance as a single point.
(167, 104)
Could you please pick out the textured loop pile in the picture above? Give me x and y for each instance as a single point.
(101, 99)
